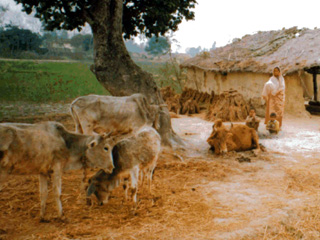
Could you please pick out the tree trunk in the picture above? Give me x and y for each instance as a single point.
(115, 69)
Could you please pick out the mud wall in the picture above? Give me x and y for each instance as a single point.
(250, 85)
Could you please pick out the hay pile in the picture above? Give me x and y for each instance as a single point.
(228, 106)
(190, 101)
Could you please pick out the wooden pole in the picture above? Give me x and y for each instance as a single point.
(315, 87)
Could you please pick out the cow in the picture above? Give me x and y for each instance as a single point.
(98, 113)
(132, 155)
(48, 149)
(238, 138)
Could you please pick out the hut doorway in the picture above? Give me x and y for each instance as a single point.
(314, 105)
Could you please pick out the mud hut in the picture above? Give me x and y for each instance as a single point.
(247, 63)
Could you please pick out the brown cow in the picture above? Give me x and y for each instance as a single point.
(48, 149)
(238, 138)
(95, 113)
(132, 155)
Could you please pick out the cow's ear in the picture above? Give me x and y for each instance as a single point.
(125, 132)
(99, 130)
(122, 132)
(92, 144)
(7, 137)
(218, 123)
(91, 189)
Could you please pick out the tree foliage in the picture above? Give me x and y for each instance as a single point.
(14, 40)
(147, 17)
(84, 42)
(157, 46)
(193, 51)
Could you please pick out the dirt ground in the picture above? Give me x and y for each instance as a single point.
(196, 194)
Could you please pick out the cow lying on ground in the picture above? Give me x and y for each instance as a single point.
(130, 156)
(95, 114)
(238, 138)
(48, 149)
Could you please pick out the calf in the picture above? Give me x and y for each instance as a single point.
(130, 156)
(48, 149)
(238, 138)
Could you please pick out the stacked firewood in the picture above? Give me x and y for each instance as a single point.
(228, 106)
(172, 99)
(190, 101)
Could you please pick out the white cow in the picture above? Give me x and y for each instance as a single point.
(96, 114)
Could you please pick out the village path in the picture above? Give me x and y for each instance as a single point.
(269, 197)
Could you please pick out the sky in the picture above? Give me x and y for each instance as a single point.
(221, 21)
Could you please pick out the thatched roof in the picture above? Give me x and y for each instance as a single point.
(290, 49)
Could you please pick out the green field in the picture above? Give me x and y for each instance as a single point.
(46, 81)
(37, 81)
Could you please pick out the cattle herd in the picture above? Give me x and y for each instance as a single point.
(114, 134)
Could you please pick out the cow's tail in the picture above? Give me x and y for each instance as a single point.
(76, 119)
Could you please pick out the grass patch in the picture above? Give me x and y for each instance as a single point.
(43, 81)
(46, 81)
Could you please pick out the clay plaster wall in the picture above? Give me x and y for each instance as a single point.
(250, 85)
